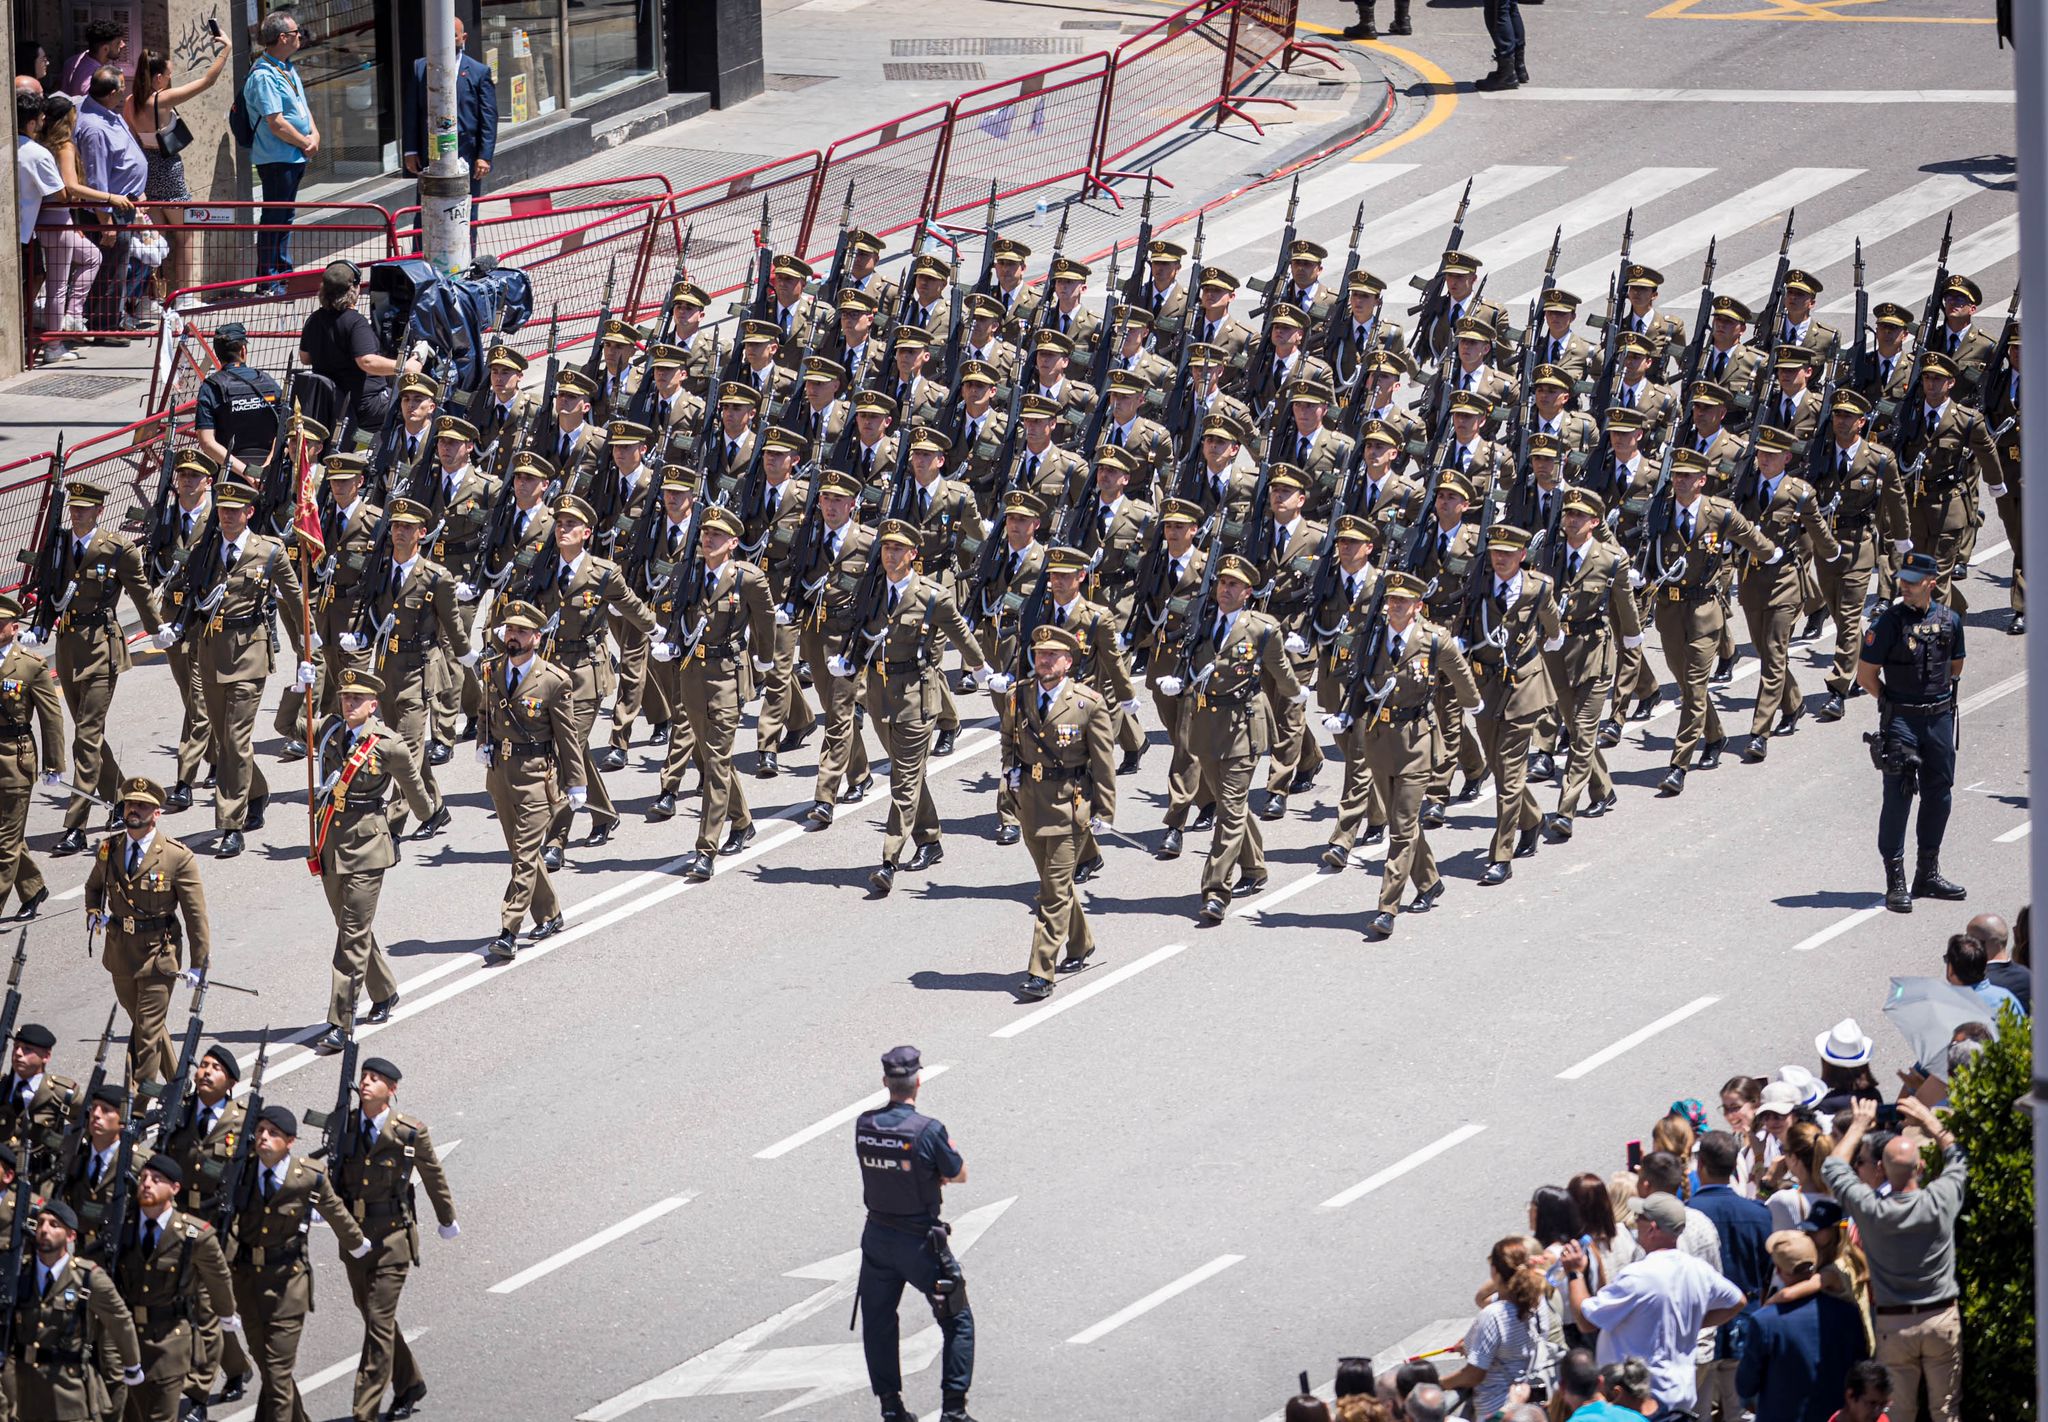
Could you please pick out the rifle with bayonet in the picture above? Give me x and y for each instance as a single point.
(1909, 420)
(1436, 299)
(593, 363)
(238, 1175)
(1140, 255)
(337, 1126)
(542, 437)
(835, 275)
(170, 1096)
(1695, 350)
(1261, 364)
(52, 590)
(71, 1145)
(277, 486)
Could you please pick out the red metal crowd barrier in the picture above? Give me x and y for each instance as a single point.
(24, 488)
(721, 219)
(891, 167)
(1021, 133)
(124, 462)
(1154, 73)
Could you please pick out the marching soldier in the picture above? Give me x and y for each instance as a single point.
(1309, 443)
(1019, 302)
(1291, 363)
(1727, 361)
(192, 484)
(873, 450)
(1859, 487)
(761, 369)
(363, 762)
(1067, 315)
(1598, 615)
(822, 415)
(201, 1140)
(843, 752)
(1383, 494)
(1559, 345)
(1131, 355)
(1286, 576)
(616, 380)
(348, 531)
(1100, 664)
(732, 445)
(1663, 335)
(1469, 374)
(1655, 406)
(28, 702)
(651, 571)
(947, 521)
(918, 400)
(142, 887)
(569, 441)
(37, 1101)
(458, 498)
(924, 305)
(1057, 744)
(1575, 431)
(502, 411)
(1117, 533)
(529, 743)
(1223, 484)
(689, 302)
(1784, 509)
(795, 310)
(854, 344)
(708, 633)
(1305, 289)
(418, 402)
(1229, 727)
(533, 532)
(1071, 401)
(88, 1179)
(1460, 272)
(628, 445)
(863, 252)
(1957, 338)
(1712, 439)
(984, 340)
(272, 1270)
(1213, 325)
(1161, 291)
(375, 1182)
(237, 652)
(1363, 332)
(71, 1330)
(1506, 633)
(91, 652)
(785, 718)
(895, 662)
(1042, 468)
(2002, 412)
(1019, 564)
(1478, 459)
(1794, 406)
(1948, 453)
(1158, 625)
(1889, 369)
(1333, 629)
(1448, 550)
(170, 1270)
(676, 412)
(1406, 659)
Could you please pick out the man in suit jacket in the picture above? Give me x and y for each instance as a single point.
(476, 115)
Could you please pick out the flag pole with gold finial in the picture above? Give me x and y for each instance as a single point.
(311, 548)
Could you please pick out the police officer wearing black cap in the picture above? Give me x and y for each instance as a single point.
(170, 1271)
(1911, 664)
(72, 1333)
(905, 1157)
(237, 416)
(35, 1102)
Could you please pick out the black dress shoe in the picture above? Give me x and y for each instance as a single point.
(1008, 834)
(1558, 827)
(381, 1011)
(439, 753)
(1275, 808)
(664, 806)
(1336, 857)
(230, 845)
(1832, 709)
(1205, 818)
(1071, 964)
(468, 731)
(1498, 872)
(178, 798)
(1724, 671)
(1541, 766)
(1470, 792)
(601, 832)
(547, 929)
(433, 824)
(858, 791)
(1710, 752)
(1087, 868)
(502, 948)
(1129, 764)
(330, 1042)
(1525, 843)
(1794, 714)
(1213, 908)
(736, 840)
(610, 758)
(1301, 780)
(2017, 626)
(1380, 925)
(192, 1409)
(1814, 622)
(803, 673)
(1433, 816)
(294, 749)
(234, 1388)
(657, 733)
(1426, 899)
(819, 815)
(1607, 734)
(792, 739)
(1605, 803)
(697, 867)
(72, 841)
(1035, 989)
(1246, 885)
(1673, 782)
(1646, 704)
(926, 855)
(1169, 844)
(946, 741)
(884, 877)
(402, 1406)
(33, 904)
(212, 780)
(551, 858)
(253, 821)
(766, 766)
(1373, 834)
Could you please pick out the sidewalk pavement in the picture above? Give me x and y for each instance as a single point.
(836, 67)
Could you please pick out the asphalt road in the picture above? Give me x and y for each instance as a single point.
(1221, 1155)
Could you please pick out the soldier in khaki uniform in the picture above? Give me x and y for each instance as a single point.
(1460, 271)
(627, 445)
(1785, 510)
(200, 1141)
(1558, 344)
(785, 718)
(710, 634)
(1101, 665)
(71, 1330)
(1469, 373)
(1575, 431)
(1161, 293)
(674, 414)
(1057, 747)
(501, 410)
(1860, 491)
(567, 439)
(761, 368)
(1690, 545)
(1213, 325)
(1406, 657)
(1041, 467)
(1362, 333)
(1333, 629)
(348, 528)
(1506, 632)
(794, 311)
(458, 499)
(1636, 391)
(1888, 369)
(894, 659)
(1019, 563)
(872, 451)
(1959, 339)
(363, 763)
(616, 377)
(843, 753)
(375, 1181)
(1727, 361)
(29, 701)
(863, 251)
(1117, 530)
(854, 346)
(170, 1270)
(91, 653)
(35, 1102)
(1793, 404)
(1233, 665)
(141, 886)
(1949, 453)
(1158, 625)
(192, 480)
(1448, 551)
(1599, 617)
(1068, 314)
(1051, 380)
(236, 653)
(978, 437)
(1019, 301)
(1482, 462)
(1291, 363)
(1383, 495)
(1286, 576)
(1664, 335)
(273, 1272)
(919, 399)
(1145, 440)
(529, 742)
(1132, 356)
(948, 524)
(88, 1181)
(1310, 443)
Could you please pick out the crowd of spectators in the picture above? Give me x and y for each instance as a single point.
(1795, 1263)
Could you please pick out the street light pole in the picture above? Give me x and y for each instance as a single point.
(444, 177)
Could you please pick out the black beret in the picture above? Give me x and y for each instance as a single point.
(282, 1118)
(901, 1062)
(35, 1034)
(382, 1066)
(168, 1167)
(227, 1061)
(111, 1092)
(63, 1213)
(7, 1157)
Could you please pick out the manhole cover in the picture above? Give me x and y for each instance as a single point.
(790, 83)
(939, 70)
(983, 45)
(74, 387)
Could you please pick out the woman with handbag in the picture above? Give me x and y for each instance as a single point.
(152, 112)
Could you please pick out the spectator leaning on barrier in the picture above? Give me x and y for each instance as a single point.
(1908, 1237)
(152, 112)
(114, 164)
(1999, 968)
(70, 258)
(105, 43)
(286, 137)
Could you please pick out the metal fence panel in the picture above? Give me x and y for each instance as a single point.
(1022, 133)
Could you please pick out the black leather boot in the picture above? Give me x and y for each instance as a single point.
(1928, 883)
(1896, 896)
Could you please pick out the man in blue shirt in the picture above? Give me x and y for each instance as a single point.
(286, 137)
(113, 163)
(1796, 1356)
(1967, 965)
(476, 115)
(1744, 1226)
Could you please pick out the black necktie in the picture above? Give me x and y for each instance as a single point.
(1116, 436)
(1044, 704)
(1173, 572)
(412, 448)
(1358, 337)
(134, 857)
(1016, 559)
(1279, 542)
(1059, 617)
(895, 598)
(1301, 450)
(512, 681)
(1030, 467)
(924, 503)
(148, 1237)
(21, 1095)
(1628, 397)
(1571, 566)
(186, 527)
(1372, 496)
(774, 502)
(1543, 509)
(1222, 627)
(93, 1172)
(661, 413)
(1350, 589)
(48, 1278)
(675, 540)
(1500, 596)
(1685, 525)
(269, 1186)
(1720, 363)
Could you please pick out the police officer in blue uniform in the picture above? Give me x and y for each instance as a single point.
(1912, 663)
(237, 415)
(905, 1156)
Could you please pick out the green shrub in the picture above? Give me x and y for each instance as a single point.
(1995, 1237)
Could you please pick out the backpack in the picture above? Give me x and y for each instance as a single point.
(238, 122)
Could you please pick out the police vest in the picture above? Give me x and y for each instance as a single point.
(250, 411)
(1917, 662)
(890, 1180)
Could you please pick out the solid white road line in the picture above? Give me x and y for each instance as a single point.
(1273, 898)
(346, 1368)
(1636, 1038)
(1156, 1297)
(2017, 832)
(1985, 555)
(837, 1119)
(1325, 191)
(1074, 997)
(1992, 693)
(1758, 96)
(591, 1245)
(1402, 1166)
(1976, 250)
(1838, 928)
(1598, 208)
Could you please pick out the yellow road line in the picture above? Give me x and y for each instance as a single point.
(1443, 98)
(1825, 11)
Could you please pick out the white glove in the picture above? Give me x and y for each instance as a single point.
(613, 609)
(1296, 645)
(422, 351)
(467, 592)
(1632, 642)
(360, 1250)
(998, 683)
(351, 642)
(1336, 723)
(304, 680)
(1300, 698)
(483, 755)
(232, 1323)
(663, 651)
(1902, 546)
(1635, 577)
(981, 674)
(469, 659)
(1555, 643)
(28, 639)
(316, 641)
(782, 617)
(449, 1231)
(764, 664)
(988, 526)
(579, 795)
(1129, 708)
(51, 777)
(190, 975)
(162, 638)
(1171, 686)
(839, 667)
(1097, 825)
(1997, 491)
(1015, 776)
(1776, 554)
(132, 1376)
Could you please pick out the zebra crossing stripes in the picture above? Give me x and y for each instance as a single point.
(1603, 206)
(1974, 251)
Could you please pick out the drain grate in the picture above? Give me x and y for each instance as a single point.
(985, 46)
(791, 83)
(1091, 24)
(74, 387)
(937, 70)
(1305, 89)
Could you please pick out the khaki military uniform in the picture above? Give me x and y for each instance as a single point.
(1689, 613)
(785, 710)
(904, 693)
(1438, 338)
(975, 448)
(89, 1187)
(273, 1270)
(237, 652)
(1944, 512)
(411, 624)
(1061, 763)
(1884, 380)
(1860, 492)
(1449, 566)
(1102, 666)
(1120, 538)
(1598, 615)
(335, 593)
(1160, 626)
(1273, 384)
(2002, 413)
(1343, 344)
(166, 1288)
(1334, 629)
(636, 691)
(195, 731)
(68, 1341)
(581, 611)
(29, 702)
(1571, 353)
(355, 846)
(1742, 369)
(1050, 476)
(461, 513)
(1772, 595)
(1147, 442)
(732, 623)
(948, 522)
(92, 654)
(1970, 350)
(30, 1126)
(1324, 461)
(1402, 742)
(843, 754)
(376, 1186)
(1229, 727)
(1667, 338)
(143, 938)
(1076, 401)
(996, 627)
(1515, 693)
(529, 737)
(1659, 406)
(495, 422)
(1295, 756)
(576, 455)
(201, 1146)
